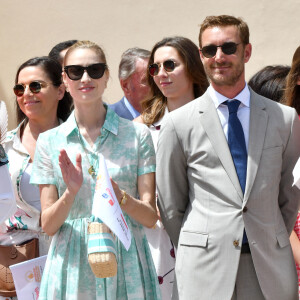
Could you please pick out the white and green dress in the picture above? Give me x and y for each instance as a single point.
(128, 150)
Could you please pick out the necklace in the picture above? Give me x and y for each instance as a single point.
(91, 169)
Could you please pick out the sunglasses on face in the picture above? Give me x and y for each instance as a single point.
(95, 71)
(34, 86)
(169, 66)
(227, 48)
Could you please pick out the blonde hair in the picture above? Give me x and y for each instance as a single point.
(86, 45)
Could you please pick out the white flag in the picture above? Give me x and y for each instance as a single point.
(106, 206)
(27, 277)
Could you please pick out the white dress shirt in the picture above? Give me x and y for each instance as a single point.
(243, 112)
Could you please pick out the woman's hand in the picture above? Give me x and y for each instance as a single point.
(55, 210)
(142, 210)
(72, 175)
(117, 190)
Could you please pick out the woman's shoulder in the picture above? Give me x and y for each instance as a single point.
(12, 134)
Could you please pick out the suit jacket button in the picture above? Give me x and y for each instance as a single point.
(245, 209)
(236, 243)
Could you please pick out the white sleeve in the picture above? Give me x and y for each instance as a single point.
(8, 204)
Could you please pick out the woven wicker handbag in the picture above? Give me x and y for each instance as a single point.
(101, 250)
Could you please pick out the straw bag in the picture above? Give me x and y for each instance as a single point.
(11, 255)
(101, 250)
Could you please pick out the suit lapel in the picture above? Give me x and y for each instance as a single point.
(126, 112)
(258, 127)
(211, 123)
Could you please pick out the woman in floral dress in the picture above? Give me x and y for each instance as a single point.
(66, 164)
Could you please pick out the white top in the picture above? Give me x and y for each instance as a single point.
(7, 199)
(243, 112)
(30, 192)
(155, 128)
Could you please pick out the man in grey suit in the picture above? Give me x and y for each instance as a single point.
(133, 70)
(225, 183)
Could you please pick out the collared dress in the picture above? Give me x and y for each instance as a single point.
(25, 223)
(161, 247)
(128, 150)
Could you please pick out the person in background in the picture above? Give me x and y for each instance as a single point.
(133, 81)
(176, 76)
(41, 105)
(58, 51)
(66, 166)
(292, 91)
(270, 81)
(292, 98)
(7, 200)
(224, 179)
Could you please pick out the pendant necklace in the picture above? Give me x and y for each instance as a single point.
(91, 169)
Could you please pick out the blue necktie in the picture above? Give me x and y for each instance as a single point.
(237, 145)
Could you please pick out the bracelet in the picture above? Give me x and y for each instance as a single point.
(124, 198)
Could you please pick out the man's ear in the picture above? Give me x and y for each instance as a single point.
(247, 52)
(125, 85)
(201, 55)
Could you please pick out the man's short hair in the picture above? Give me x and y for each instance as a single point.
(128, 61)
(225, 20)
(55, 51)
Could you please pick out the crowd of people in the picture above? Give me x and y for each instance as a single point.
(200, 162)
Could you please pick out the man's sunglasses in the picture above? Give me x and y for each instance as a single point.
(95, 71)
(211, 50)
(169, 66)
(34, 86)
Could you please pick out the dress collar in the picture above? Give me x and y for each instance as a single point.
(111, 122)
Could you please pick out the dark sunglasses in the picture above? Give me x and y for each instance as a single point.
(211, 50)
(34, 86)
(169, 66)
(95, 71)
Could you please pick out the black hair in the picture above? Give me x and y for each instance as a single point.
(270, 81)
(55, 51)
(53, 70)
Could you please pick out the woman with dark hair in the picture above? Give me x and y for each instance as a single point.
(7, 199)
(270, 81)
(41, 105)
(176, 76)
(292, 98)
(292, 92)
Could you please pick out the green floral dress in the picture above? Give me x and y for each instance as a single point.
(128, 150)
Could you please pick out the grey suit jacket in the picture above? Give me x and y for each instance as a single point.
(203, 207)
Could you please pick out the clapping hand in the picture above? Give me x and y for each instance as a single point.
(72, 175)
